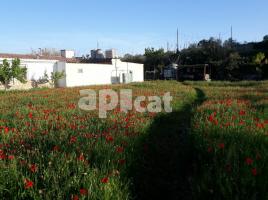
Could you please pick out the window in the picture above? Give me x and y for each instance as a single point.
(80, 71)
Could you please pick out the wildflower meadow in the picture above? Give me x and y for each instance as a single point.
(213, 145)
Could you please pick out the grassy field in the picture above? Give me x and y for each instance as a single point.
(213, 145)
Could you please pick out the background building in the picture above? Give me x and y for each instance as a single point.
(97, 54)
(77, 73)
(67, 53)
(111, 53)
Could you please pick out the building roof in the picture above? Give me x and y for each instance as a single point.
(38, 57)
(96, 61)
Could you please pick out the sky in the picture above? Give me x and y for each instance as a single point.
(129, 26)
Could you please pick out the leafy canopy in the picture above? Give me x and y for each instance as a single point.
(10, 71)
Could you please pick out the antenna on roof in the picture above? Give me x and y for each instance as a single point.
(97, 44)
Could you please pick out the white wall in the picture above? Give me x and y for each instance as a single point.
(93, 74)
(36, 68)
(98, 74)
(60, 67)
(78, 74)
(137, 69)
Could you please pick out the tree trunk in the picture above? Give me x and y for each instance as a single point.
(6, 85)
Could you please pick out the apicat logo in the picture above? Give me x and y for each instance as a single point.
(109, 99)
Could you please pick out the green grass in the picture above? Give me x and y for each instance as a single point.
(190, 153)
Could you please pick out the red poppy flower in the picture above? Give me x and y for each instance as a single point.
(109, 138)
(73, 139)
(33, 168)
(56, 148)
(254, 172)
(210, 149)
(233, 117)
(249, 161)
(81, 157)
(30, 115)
(23, 162)
(256, 119)
(221, 145)
(83, 192)
(6, 130)
(241, 122)
(242, 113)
(119, 149)
(105, 180)
(211, 118)
(2, 155)
(216, 122)
(122, 161)
(260, 125)
(11, 157)
(75, 197)
(71, 106)
(28, 184)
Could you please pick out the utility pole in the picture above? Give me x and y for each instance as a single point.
(231, 36)
(231, 33)
(167, 46)
(177, 41)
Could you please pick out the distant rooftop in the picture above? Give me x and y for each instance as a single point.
(38, 57)
(59, 58)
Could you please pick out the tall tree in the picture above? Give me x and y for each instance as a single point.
(155, 59)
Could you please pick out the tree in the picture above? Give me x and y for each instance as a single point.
(134, 58)
(232, 65)
(265, 38)
(259, 58)
(46, 52)
(56, 76)
(155, 59)
(10, 72)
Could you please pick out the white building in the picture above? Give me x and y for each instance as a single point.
(111, 53)
(97, 54)
(77, 74)
(67, 53)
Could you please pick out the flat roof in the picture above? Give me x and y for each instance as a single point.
(38, 57)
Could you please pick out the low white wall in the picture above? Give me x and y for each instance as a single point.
(36, 68)
(16, 85)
